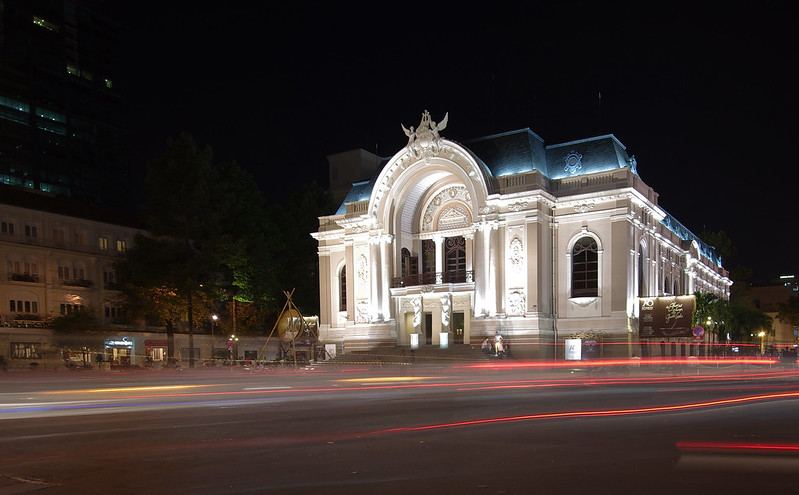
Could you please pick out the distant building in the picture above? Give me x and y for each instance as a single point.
(61, 109)
(450, 243)
(349, 167)
(57, 258)
(768, 298)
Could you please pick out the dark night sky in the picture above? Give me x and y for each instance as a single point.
(700, 96)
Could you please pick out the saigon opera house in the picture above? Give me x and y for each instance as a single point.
(451, 243)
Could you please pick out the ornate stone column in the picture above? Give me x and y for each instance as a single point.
(439, 240)
(374, 269)
(385, 276)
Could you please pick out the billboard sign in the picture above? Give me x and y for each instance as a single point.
(660, 317)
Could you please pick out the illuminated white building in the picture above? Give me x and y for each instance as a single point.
(451, 243)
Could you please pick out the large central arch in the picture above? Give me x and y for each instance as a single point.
(407, 178)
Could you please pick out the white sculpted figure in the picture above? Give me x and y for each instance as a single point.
(425, 139)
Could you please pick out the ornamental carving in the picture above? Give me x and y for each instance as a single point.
(417, 312)
(518, 206)
(573, 162)
(363, 269)
(516, 303)
(516, 254)
(425, 141)
(362, 311)
(455, 216)
(445, 310)
(584, 207)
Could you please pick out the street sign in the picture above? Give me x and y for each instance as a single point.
(698, 332)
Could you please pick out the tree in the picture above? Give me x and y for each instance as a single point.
(788, 312)
(297, 256)
(205, 223)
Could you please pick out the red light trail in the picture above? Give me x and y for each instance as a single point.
(740, 447)
(601, 413)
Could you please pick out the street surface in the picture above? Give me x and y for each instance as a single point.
(434, 429)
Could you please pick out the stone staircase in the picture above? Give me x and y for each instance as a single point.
(404, 356)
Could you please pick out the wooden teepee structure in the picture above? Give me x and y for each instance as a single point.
(291, 329)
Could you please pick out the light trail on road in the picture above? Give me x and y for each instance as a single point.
(600, 413)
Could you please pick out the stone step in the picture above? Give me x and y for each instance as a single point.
(404, 355)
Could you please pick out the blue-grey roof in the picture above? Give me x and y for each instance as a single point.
(683, 233)
(521, 151)
(509, 153)
(587, 156)
(360, 191)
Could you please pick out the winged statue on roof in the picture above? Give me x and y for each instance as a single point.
(426, 138)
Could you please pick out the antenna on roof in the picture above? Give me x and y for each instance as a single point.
(599, 112)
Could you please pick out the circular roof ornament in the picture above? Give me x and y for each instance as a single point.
(573, 162)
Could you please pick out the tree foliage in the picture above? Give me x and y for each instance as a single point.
(296, 254)
(205, 240)
(212, 239)
(735, 318)
(788, 312)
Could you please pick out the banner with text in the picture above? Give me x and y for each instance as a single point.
(665, 316)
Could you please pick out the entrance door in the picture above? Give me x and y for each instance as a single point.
(428, 328)
(457, 328)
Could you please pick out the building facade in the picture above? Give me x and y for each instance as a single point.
(451, 243)
(57, 258)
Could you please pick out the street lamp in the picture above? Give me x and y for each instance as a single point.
(233, 339)
(213, 322)
(762, 336)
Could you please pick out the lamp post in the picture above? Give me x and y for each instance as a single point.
(233, 339)
(213, 322)
(762, 336)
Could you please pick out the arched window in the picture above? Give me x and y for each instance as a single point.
(428, 256)
(455, 253)
(406, 262)
(342, 289)
(585, 268)
(641, 273)
(455, 258)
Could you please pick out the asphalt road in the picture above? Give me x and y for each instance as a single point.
(400, 430)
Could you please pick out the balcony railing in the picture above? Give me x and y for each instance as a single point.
(452, 277)
(23, 277)
(76, 282)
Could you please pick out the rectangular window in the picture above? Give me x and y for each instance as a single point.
(102, 243)
(121, 246)
(79, 238)
(58, 236)
(6, 228)
(12, 306)
(25, 350)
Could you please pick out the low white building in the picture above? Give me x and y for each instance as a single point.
(451, 243)
(57, 257)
